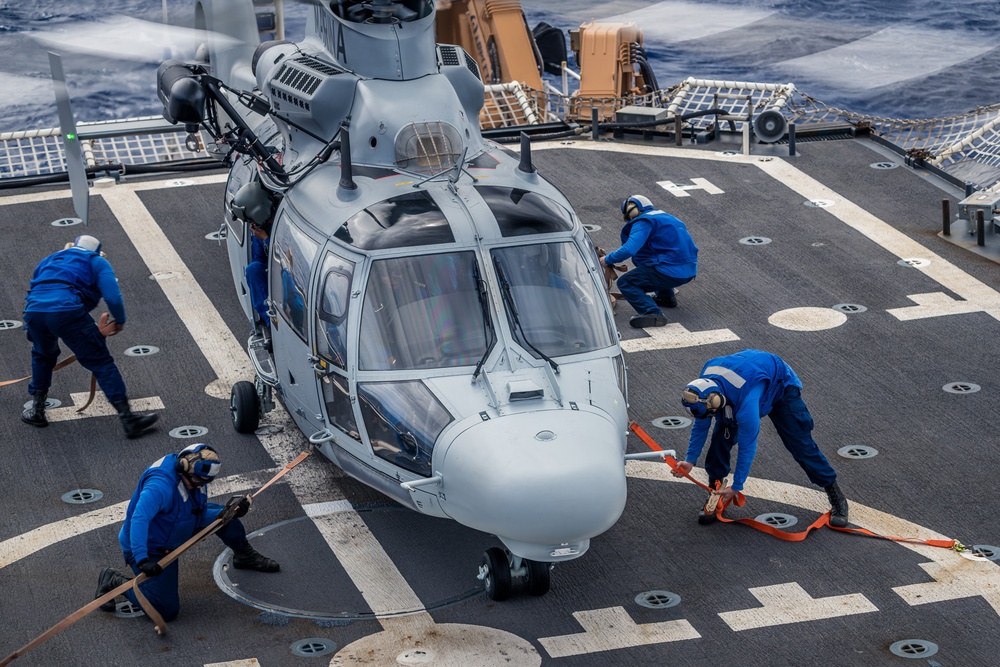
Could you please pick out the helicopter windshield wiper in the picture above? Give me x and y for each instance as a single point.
(508, 299)
(487, 322)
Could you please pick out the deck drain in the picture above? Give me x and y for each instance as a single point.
(961, 388)
(857, 452)
(755, 240)
(986, 551)
(128, 610)
(10, 324)
(163, 275)
(188, 432)
(142, 350)
(671, 422)
(82, 496)
(819, 203)
(592, 228)
(913, 648)
(657, 599)
(850, 308)
(49, 403)
(217, 236)
(66, 222)
(915, 262)
(777, 519)
(727, 153)
(180, 183)
(313, 647)
(883, 165)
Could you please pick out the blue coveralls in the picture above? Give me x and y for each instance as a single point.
(64, 288)
(256, 273)
(664, 255)
(162, 515)
(756, 384)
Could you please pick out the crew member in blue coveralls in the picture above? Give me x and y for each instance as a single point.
(738, 390)
(255, 206)
(169, 506)
(65, 287)
(664, 255)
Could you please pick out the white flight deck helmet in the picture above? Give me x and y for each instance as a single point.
(252, 203)
(87, 242)
(634, 206)
(702, 398)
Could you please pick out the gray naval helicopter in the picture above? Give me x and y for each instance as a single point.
(436, 318)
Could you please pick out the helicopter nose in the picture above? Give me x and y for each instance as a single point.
(538, 480)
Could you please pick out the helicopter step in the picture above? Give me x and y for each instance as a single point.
(499, 569)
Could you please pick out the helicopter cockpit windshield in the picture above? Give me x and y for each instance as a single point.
(551, 283)
(423, 312)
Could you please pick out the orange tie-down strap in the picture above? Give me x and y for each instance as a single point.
(741, 500)
(161, 627)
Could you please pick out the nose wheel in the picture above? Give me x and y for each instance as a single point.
(244, 407)
(499, 569)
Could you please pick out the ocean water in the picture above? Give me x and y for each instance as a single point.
(901, 59)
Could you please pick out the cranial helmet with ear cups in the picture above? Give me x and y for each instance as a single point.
(198, 462)
(702, 397)
(252, 203)
(634, 206)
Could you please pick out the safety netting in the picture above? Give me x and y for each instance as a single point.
(966, 146)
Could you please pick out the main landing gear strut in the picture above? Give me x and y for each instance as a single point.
(499, 568)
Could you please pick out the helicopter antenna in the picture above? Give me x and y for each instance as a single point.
(525, 164)
(346, 170)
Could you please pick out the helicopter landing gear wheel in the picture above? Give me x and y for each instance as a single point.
(244, 406)
(537, 577)
(495, 573)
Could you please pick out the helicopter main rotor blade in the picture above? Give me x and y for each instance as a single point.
(134, 39)
(71, 142)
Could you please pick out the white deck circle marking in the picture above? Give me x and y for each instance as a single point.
(807, 319)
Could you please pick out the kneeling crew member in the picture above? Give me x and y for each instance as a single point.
(65, 287)
(664, 255)
(169, 506)
(738, 390)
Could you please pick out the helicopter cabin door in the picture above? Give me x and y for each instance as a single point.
(238, 239)
(294, 248)
(335, 288)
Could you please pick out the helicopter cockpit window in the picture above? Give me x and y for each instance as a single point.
(412, 219)
(423, 312)
(291, 259)
(555, 301)
(403, 420)
(520, 212)
(331, 311)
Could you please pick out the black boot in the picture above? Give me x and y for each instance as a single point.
(109, 580)
(35, 413)
(249, 559)
(134, 425)
(838, 506)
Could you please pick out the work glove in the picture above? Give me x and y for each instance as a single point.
(242, 508)
(149, 568)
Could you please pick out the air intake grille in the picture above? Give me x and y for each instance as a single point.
(318, 65)
(296, 79)
(473, 66)
(449, 56)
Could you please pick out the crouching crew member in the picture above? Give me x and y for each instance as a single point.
(169, 506)
(664, 255)
(738, 390)
(65, 287)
